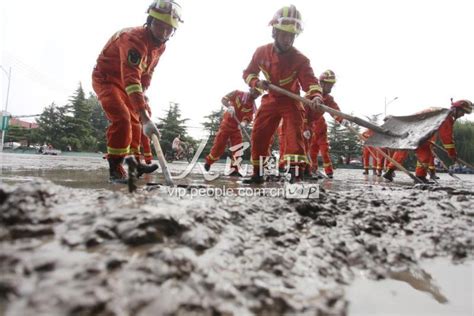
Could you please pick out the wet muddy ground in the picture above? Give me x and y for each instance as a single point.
(72, 244)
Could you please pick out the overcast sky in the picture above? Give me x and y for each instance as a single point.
(419, 51)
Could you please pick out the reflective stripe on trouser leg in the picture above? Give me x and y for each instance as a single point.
(119, 133)
(424, 155)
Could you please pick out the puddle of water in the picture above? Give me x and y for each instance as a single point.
(440, 289)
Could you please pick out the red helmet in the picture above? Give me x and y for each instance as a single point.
(464, 105)
(288, 19)
(167, 11)
(328, 76)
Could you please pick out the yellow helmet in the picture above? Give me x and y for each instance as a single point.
(288, 19)
(328, 76)
(167, 11)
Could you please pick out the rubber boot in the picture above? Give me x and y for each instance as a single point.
(424, 180)
(141, 168)
(235, 172)
(254, 180)
(117, 173)
(296, 174)
(433, 175)
(389, 175)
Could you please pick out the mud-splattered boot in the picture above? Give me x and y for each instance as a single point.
(433, 175)
(425, 180)
(254, 180)
(296, 174)
(117, 173)
(235, 173)
(141, 168)
(389, 175)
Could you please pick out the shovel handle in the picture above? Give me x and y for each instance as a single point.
(457, 159)
(331, 111)
(380, 151)
(162, 160)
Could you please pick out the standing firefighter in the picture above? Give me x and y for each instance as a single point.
(319, 139)
(423, 152)
(369, 153)
(284, 66)
(123, 72)
(240, 110)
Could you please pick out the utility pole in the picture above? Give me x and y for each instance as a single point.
(4, 130)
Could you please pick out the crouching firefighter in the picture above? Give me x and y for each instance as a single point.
(240, 110)
(123, 72)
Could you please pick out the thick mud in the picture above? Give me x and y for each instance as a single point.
(71, 244)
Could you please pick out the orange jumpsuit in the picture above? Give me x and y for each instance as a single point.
(423, 152)
(380, 159)
(290, 70)
(368, 151)
(315, 118)
(229, 128)
(124, 70)
(319, 143)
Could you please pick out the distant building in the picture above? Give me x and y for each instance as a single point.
(24, 124)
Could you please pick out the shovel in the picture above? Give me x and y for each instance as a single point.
(162, 160)
(244, 131)
(395, 163)
(457, 159)
(331, 111)
(450, 172)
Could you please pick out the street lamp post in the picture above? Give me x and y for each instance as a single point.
(386, 104)
(9, 75)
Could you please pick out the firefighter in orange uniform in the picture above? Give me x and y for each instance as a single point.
(284, 66)
(367, 153)
(240, 110)
(319, 144)
(423, 152)
(319, 139)
(381, 160)
(123, 72)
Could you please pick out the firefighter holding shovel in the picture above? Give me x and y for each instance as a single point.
(123, 72)
(424, 153)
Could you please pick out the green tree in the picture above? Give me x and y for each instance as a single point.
(51, 125)
(211, 125)
(77, 126)
(172, 125)
(99, 123)
(17, 134)
(344, 143)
